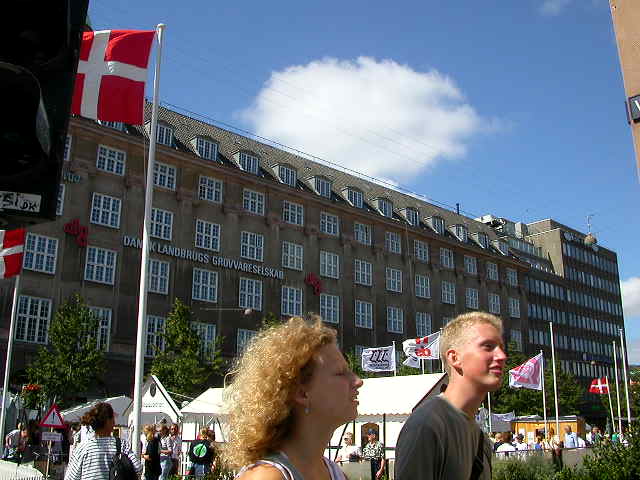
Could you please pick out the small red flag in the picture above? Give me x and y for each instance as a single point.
(599, 386)
(11, 252)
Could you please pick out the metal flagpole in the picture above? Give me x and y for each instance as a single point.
(624, 370)
(555, 381)
(144, 264)
(7, 368)
(395, 367)
(615, 364)
(613, 419)
(489, 405)
(544, 397)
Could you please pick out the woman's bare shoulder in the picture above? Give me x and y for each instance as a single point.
(261, 472)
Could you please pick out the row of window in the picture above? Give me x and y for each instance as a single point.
(583, 345)
(592, 280)
(586, 369)
(546, 289)
(594, 303)
(590, 258)
(550, 314)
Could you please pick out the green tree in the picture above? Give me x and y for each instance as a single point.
(73, 362)
(185, 365)
(524, 401)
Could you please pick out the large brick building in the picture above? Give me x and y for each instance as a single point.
(242, 229)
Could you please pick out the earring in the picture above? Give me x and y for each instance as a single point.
(306, 410)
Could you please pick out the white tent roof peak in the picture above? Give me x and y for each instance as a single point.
(209, 402)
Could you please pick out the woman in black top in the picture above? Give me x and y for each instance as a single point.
(151, 454)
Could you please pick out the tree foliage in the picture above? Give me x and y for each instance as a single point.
(73, 362)
(524, 401)
(185, 366)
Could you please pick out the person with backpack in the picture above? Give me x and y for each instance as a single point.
(102, 456)
(201, 454)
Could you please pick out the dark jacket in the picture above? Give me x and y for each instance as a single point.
(201, 452)
(152, 467)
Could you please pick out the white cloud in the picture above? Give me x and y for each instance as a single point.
(631, 297)
(633, 350)
(377, 117)
(553, 7)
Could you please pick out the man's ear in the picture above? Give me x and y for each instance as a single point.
(453, 358)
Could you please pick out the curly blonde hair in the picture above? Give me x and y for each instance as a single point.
(274, 363)
(456, 333)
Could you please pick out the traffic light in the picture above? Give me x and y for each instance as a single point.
(39, 50)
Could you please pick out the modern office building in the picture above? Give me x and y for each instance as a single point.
(241, 229)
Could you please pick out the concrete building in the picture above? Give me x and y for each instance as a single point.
(242, 229)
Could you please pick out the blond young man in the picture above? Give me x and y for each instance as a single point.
(441, 439)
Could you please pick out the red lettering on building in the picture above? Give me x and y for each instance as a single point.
(313, 281)
(80, 232)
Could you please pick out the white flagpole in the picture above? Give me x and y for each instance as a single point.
(7, 368)
(422, 365)
(613, 419)
(544, 397)
(142, 299)
(555, 381)
(623, 347)
(395, 367)
(615, 364)
(489, 405)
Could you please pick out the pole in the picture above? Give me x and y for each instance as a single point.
(623, 347)
(615, 364)
(395, 367)
(7, 368)
(613, 419)
(555, 381)
(544, 398)
(422, 365)
(489, 405)
(144, 267)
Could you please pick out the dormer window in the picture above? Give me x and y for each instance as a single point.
(355, 197)
(386, 207)
(437, 224)
(288, 175)
(115, 125)
(501, 246)
(461, 232)
(207, 149)
(483, 239)
(248, 163)
(165, 135)
(323, 186)
(412, 216)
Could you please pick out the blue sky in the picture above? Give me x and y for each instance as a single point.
(509, 108)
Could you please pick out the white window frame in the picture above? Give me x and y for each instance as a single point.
(355, 197)
(423, 286)
(204, 285)
(385, 207)
(494, 303)
(33, 319)
(115, 125)
(437, 224)
(243, 338)
(207, 235)
(164, 135)
(292, 213)
(393, 242)
(329, 224)
(446, 258)
(448, 292)
(492, 271)
(105, 210)
(288, 175)
(292, 255)
(329, 264)
(363, 314)
(210, 189)
(159, 272)
(164, 176)
(100, 270)
(60, 200)
(424, 325)
(250, 293)
(161, 224)
(421, 250)
(249, 163)
(111, 160)
(40, 253)
(154, 335)
(207, 334)
(291, 301)
(207, 149)
(103, 334)
(461, 232)
(252, 246)
(395, 319)
(413, 217)
(363, 272)
(470, 265)
(512, 277)
(253, 201)
(393, 278)
(330, 308)
(362, 233)
(514, 307)
(323, 186)
(483, 239)
(472, 298)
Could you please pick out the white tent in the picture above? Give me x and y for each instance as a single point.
(207, 409)
(119, 405)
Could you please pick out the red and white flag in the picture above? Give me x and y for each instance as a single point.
(599, 386)
(111, 75)
(423, 348)
(12, 248)
(527, 375)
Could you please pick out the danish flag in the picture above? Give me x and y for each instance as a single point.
(599, 386)
(111, 75)
(12, 242)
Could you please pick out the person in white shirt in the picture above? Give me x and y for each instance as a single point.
(349, 452)
(506, 449)
(570, 438)
(166, 452)
(177, 448)
(521, 446)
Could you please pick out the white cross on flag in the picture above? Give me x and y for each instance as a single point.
(111, 75)
(599, 386)
(12, 248)
(527, 375)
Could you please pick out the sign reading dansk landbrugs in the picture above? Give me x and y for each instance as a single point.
(187, 254)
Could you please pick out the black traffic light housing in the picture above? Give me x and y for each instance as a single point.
(39, 50)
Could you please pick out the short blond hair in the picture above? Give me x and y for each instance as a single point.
(276, 361)
(456, 333)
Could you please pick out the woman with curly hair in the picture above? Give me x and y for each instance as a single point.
(291, 390)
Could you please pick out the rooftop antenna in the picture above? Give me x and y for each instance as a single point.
(590, 239)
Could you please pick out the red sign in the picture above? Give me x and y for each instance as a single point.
(79, 231)
(314, 282)
(53, 418)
